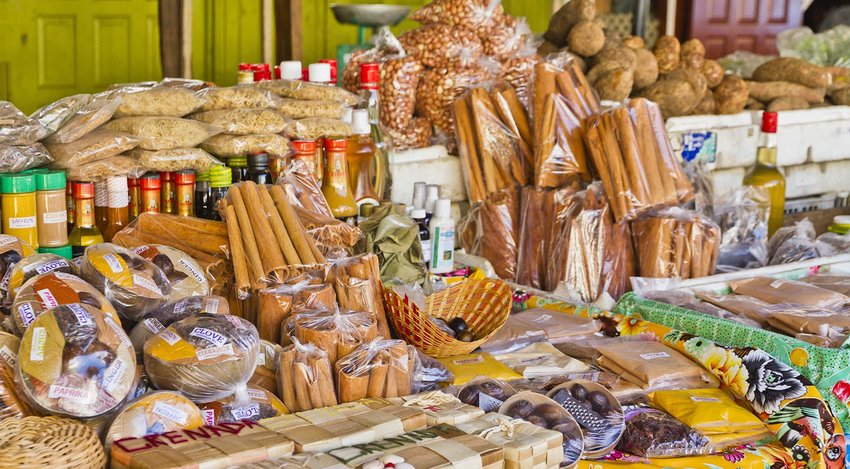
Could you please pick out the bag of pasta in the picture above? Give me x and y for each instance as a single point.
(171, 101)
(164, 133)
(18, 129)
(175, 159)
(54, 115)
(17, 158)
(244, 121)
(226, 145)
(306, 91)
(87, 119)
(94, 146)
(238, 97)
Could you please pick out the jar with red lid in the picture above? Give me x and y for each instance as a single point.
(333, 64)
(310, 153)
(185, 182)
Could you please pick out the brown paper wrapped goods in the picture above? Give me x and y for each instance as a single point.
(675, 243)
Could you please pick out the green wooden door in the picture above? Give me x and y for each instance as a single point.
(225, 33)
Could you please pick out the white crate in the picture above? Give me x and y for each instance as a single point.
(803, 180)
(721, 141)
(433, 165)
(812, 135)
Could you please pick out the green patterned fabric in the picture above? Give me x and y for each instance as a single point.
(828, 369)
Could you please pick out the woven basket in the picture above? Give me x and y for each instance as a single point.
(483, 304)
(54, 442)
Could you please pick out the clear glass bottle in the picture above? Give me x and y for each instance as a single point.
(239, 168)
(85, 233)
(117, 206)
(766, 175)
(335, 185)
(370, 75)
(360, 154)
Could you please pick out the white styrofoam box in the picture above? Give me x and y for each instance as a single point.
(800, 181)
(727, 180)
(721, 141)
(812, 135)
(432, 165)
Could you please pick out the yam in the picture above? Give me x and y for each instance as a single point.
(713, 72)
(787, 103)
(695, 78)
(706, 106)
(674, 97)
(634, 42)
(731, 95)
(840, 77)
(667, 51)
(693, 46)
(841, 97)
(647, 72)
(771, 90)
(597, 71)
(622, 56)
(586, 39)
(568, 16)
(755, 105)
(795, 71)
(692, 61)
(615, 85)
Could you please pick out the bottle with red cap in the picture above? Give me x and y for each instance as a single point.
(85, 233)
(245, 74)
(370, 75)
(766, 175)
(334, 70)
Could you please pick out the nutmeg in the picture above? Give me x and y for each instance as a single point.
(465, 336)
(521, 409)
(579, 392)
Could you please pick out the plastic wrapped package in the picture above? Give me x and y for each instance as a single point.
(77, 362)
(491, 230)
(154, 413)
(653, 433)
(385, 45)
(186, 276)
(265, 376)
(708, 411)
(312, 128)
(175, 159)
(276, 304)
(206, 357)
(305, 378)
(430, 374)
(156, 321)
(416, 135)
(465, 368)
(502, 41)
(238, 97)
(538, 325)
(14, 159)
(164, 133)
(742, 217)
(653, 140)
(226, 145)
(519, 73)
(564, 80)
(12, 405)
(440, 87)
(54, 115)
(832, 244)
(12, 250)
(775, 291)
(253, 403)
(171, 101)
(559, 147)
(121, 165)
(596, 410)
(244, 121)
(478, 15)
(826, 48)
(18, 129)
(303, 191)
(544, 412)
(653, 366)
(298, 109)
(541, 211)
(337, 332)
(46, 291)
(397, 87)
(676, 243)
(745, 306)
(380, 368)
(92, 147)
(793, 319)
(306, 91)
(539, 360)
(133, 285)
(833, 282)
(87, 119)
(688, 301)
(792, 244)
(487, 393)
(356, 282)
(36, 264)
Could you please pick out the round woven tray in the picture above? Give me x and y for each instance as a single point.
(54, 442)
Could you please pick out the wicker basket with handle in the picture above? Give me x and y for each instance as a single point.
(54, 442)
(483, 304)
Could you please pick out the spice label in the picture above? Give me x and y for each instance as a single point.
(214, 352)
(653, 356)
(170, 412)
(147, 284)
(54, 217)
(261, 359)
(488, 403)
(469, 361)
(777, 283)
(47, 298)
(542, 318)
(153, 325)
(22, 222)
(8, 356)
(115, 264)
(211, 305)
(704, 399)
(81, 314)
(64, 276)
(63, 392)
(26, 313)
(169, 336)
(209, 335)
(209, 416)
(199, 276)
(113, 374)
(233, 320)
(246, 412)
(125, 341)
(533, 360)
(51, 266)
(180, 306)
(39, 341)
(258, 395)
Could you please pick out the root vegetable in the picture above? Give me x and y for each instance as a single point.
(667, 52)
(674, 97)
(713, 73)
(568, 16)
(795, 71)
(615, 85)
(586, 39)
(787, 103)
(771, 90)
(731, 95)
(647, 70)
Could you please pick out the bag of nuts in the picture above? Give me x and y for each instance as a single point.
(503, 40)
(439, 87)
(399, 80)
(416, 135)
(386, 45)
(443, 46)
(472, 14)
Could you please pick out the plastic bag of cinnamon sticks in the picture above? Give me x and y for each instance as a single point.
(676, 243)
(337, 332)
(357, 283)
(381, 368)
(491, 230)
(305, 378)
(276, 304)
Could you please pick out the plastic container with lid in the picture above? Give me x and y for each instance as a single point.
(840, 224)
(333, 69)
(150, 185)
(185, 183)
(167, 193)
(17, 193)
(442, 234)
(239, 168)
(245, 74)
(258, 168)
(220, 182)
(52, 214)
(320, 73)
(65, 251)
(290, 70)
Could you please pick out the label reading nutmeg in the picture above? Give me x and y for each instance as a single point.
(214, 352)
(113, 374)
(125, 341)
(209, 335)
(170, 412)
(199, 276)
(39, 341)
(258, 395)
(654, 355)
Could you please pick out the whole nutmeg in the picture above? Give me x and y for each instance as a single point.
(521, 409)
(465, 336)
(549, 412)
(537, 420)
(492, 389)
(469, 394)
(579, 392)
(600, 402)
(567, 429)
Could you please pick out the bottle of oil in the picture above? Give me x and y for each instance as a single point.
(85, 233)
(766, 175)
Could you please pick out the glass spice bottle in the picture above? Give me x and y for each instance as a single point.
(150, 188)
(100, 205)
(85, 233)
(52, 215)
(185, 182)
(117, 210)
(335, 186)
(167, 193)
(135, 192)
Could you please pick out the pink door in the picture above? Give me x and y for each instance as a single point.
(725, 26)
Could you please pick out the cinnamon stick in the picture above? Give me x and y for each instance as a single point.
(283, 240)
(293, 227)
(269, 251)
(248, 239)
(377, 380)
(468, 151)
(285, 378)
(237, 252)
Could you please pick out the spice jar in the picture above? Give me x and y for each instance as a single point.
(150, 187)
(52, 214)
(19, 207)
(258, 168)
(220, 181)
(335, 186)
(135, 197)
(85, 232)
(185, 182)
(167, 195)
(69, 203)
(100, 205)
(203, 196)
(309, 152)
(117, 210)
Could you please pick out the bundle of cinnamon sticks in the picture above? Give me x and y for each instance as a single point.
(676, 243)
(491, 230)
(337, 332)
(276, 304)
(304, 378)
(265, 236)
(357, 283)
(381, 368)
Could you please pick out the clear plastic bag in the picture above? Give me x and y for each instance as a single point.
(87, 119)
(306, 91)
(742, 217)
(164, 133)
(503, 41)
(417, 135)
(835, 282)
(793, 244)
(541, 211)
(748, 307)
(252, 404)
(18, 129)
(653, 433)
(265, 375)
(442, 46)
(175, 159)
(244, 121)
(153, 413)
(486, 393)
(134, 286)
(54, 115)
(399, 80)
(226, 145)
(303, 191)
(45, 291)
(792, 319)
(312, 128)
(121, 165)
(14, 158)
(31, 266)
(775, 291)
(827, 48)
(653, 366)
(381, 368)
(832, 244)
(171, 101)
(186, 276)
(538, 325)
(305, 378)
(440, 87)
(385, 45)
(156, 321)
(338, 332)
(491, 230)
(298, 109)
(206, 357)
(77, 362)
(238, 97)
(477, 15)
(92, 147)
(676, 243)
(430, 374)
